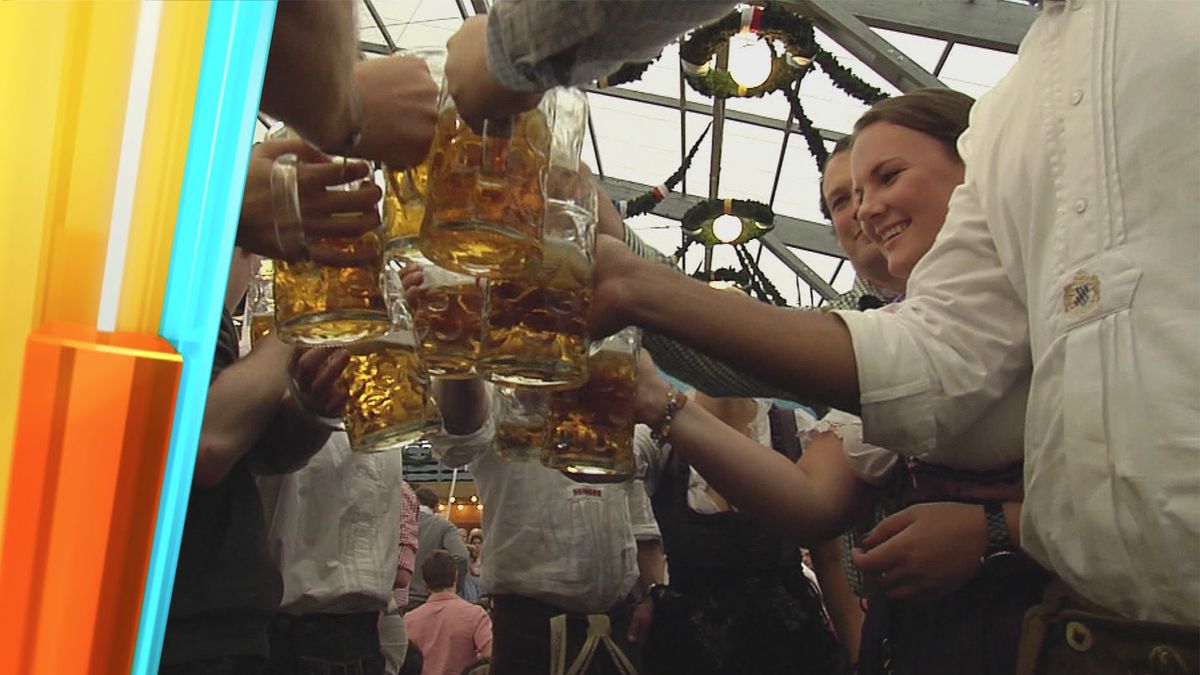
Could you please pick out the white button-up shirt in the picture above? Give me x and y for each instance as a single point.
(1068, 265)
(334, 529)
(549, 538)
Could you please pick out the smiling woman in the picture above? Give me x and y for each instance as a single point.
(904, 166)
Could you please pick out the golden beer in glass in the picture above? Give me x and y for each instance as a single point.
(403, 211)
(591, 428)
(486, 192)
(521, 420)
(390, 405)
(448, 320)
(535, 329)
(323, 304)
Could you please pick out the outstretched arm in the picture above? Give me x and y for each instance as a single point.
(813, 499)
(806, 353)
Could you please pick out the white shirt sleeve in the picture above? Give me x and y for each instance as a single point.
(457, 450)
(869, 462)
(943, 375)
(650, 458)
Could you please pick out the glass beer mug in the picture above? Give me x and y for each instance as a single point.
(324, 304)
(390, 404)
(520, 415)
(535, 326)
(487, 193)
(404, 189)
(591, 428)
(259, 318)
(448, 319)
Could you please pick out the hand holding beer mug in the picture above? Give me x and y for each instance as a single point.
(389, 403)
(487, 192)
(521, 417)
(535, 330)
(265, 229)
(404, 195)
(338, 300)
(591, 428)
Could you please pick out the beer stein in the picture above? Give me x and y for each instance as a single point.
(390, 404)
(448, 319)
(404, 189)
(324, 304)
(259, 318)
(487, 193)
(520, 416)
(591, 428)
(535, 326)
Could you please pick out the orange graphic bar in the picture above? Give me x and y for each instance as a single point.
(93, 426)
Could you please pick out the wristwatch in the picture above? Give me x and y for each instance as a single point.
(653, 592)
(1000, 549)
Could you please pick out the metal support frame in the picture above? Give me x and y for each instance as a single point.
(703, 109)
(815, 281)
(387, 36)
(878, 54)
(992, 24)
(794, 232)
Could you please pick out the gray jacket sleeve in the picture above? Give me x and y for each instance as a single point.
(533, 45)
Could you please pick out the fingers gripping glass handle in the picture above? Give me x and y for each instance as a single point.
(285, 208)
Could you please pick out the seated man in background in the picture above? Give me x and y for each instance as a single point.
(433, 533)
(450, 632)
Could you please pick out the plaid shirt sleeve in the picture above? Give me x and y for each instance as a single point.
(534, 45)
(408, 529)
(409, 512)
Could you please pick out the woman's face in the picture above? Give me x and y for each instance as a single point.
(903, 180)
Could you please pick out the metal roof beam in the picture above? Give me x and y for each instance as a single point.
(794, 232)
(703, 109)
(771, 242)
(993, 24)
(836, 21)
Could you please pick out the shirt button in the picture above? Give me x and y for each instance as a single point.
(1080, 205)
(1076, 97)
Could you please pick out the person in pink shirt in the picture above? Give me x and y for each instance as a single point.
(450, 632)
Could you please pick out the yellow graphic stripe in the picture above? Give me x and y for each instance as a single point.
(164, 149)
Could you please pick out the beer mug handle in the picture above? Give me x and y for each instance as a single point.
(494, 142)
(285, 208)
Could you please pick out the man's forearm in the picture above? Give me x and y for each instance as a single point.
(241, 403)
(310, 70)
(806, 353)
(652, 563)
(290, 440)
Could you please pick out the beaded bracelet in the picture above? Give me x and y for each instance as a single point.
(675, 401)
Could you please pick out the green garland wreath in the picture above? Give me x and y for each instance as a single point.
(757, 219)
(775, 23)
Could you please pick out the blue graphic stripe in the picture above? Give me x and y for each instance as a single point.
(236, 43)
